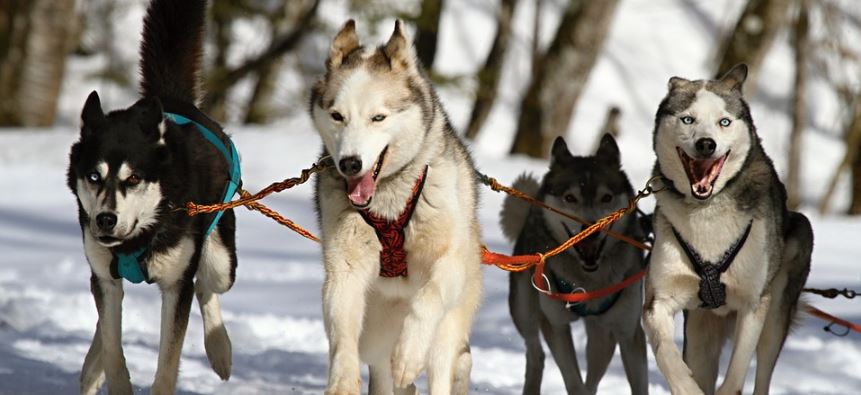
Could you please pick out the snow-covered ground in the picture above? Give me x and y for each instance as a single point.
(47, 315)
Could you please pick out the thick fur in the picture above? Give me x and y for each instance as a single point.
(138, 167)
(588, 187)
(399, 326)
(763, 283)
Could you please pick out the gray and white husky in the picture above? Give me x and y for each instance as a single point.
(727, 250)
(130, 169)
(589, 187)
(400, 238)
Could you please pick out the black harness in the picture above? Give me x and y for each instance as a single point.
(712, 292)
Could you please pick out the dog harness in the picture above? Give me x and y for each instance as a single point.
(393, 256)
(129, 265)
(712, 292)
(580, 308)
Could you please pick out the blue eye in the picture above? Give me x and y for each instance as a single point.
(378, 118)
(687, 119)
(94, 177)
(724, 122)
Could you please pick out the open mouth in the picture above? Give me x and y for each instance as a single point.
(589, 249)
(702, 173)
(360, 190)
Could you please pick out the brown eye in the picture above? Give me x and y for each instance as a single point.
(337, 116)
(133, 180)
(607, 198)
(570, 198)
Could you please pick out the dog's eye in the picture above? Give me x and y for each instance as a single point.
(378, 118)
(133, 180)
(687, 119)
(607, 198)
(94, 177)
(570, 198)
(724, 122)
(337, 116)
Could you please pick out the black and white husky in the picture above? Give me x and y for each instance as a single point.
(727, 250)
(589, 187)
(130, 169)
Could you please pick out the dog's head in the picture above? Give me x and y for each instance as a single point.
(366, 107)
(589, 187)
(703, 133)
(114, 169)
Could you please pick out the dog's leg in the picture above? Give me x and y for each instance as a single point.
(93, 372)
(449, 347)
(381, 383)
(561, 345)
(526, 313)
(658, 316)
(705, 334)
(175, 306)
(771, 340)
(748, 327)
(600, 347)
(462, 368)
(216, 341)
(344, 294)
(633, 350)
(109, 301)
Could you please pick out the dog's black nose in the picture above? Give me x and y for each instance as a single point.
(705, 146)
(350, 165)
(106, 221)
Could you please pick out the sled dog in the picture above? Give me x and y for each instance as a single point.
(727, 251)
(129, 171)
(400, 237)
(588, 187)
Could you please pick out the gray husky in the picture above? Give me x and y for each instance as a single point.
(589, 187)
(727, 250)
(401, 243)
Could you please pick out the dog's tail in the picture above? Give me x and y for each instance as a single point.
(514, 211)
(171, 49)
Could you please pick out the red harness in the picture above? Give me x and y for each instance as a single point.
(393, 256)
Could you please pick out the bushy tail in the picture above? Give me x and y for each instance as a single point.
(171, 49)
(514, 211)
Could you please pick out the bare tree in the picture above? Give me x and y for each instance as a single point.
(35, 37)
(799, 110)
(611, 125)
(427, 30)
(489, 75)
(752, 37)
(547, 107)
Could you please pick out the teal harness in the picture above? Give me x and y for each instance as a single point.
(580, 308)
(128, 266)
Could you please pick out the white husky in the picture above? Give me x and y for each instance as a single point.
(398, 220)
(727, 251)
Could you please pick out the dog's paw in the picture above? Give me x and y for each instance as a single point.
(408, 361)
(219, 351)
(345, 387)
(724, 390)
(687, 387)
(162, 386)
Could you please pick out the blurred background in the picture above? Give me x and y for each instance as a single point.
(512, 74)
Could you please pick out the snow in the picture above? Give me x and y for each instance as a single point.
(273, 314)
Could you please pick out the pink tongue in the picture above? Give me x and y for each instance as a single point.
(360, 190)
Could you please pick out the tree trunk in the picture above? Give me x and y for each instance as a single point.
(36, 37)
(548, 105)
(488, 77)
(799, 115)
(427, 28)
(850, 161)
(855, 205)
(259, 109)
(611, 125)
(752, 37)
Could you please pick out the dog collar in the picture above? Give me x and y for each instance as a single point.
(128, 266)
(393, 256)
(712, 292)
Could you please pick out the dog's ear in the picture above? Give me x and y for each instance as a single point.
(345, 41)
(734, 78)
(92, 114)
(559, 151)
(677, 83)
(399, 50)
(608, 150)
(151, 116)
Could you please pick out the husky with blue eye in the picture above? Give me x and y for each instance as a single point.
(727, 251)
(130, 171)
(589, 187)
